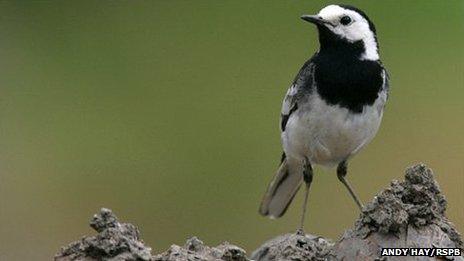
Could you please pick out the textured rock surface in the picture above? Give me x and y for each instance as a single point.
(294, 247)
(117, 241)
(410, 213)
(114, 241)
(407, 214)
(194, 249)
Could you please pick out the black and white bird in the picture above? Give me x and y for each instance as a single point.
(333, 108)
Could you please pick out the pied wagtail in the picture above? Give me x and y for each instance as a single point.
(333, 108)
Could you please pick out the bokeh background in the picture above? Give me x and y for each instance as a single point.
(167, 112)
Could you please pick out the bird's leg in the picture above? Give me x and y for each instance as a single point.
(341, 174)
(308, 178)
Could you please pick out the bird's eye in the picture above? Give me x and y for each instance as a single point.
(345, 20)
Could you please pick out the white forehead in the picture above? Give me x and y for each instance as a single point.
(333, 12)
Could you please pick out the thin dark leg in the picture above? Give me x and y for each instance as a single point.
(308, 178)
(341, 173)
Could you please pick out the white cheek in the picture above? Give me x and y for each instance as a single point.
(361, 31)
(358, 30)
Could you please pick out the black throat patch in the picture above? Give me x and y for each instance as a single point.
(341, 77)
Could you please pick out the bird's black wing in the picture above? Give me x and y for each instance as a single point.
(302, 84)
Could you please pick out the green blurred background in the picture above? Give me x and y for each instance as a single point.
(167, 112)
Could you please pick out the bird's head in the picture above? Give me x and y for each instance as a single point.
(346, 25)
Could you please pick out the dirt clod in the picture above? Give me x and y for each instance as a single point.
(114, 242)
(407, 214)
(410, 213)
(294, 247)
(194, 249)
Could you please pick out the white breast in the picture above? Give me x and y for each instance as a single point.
(327, 134)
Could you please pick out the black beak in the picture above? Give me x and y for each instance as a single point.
(315, 19)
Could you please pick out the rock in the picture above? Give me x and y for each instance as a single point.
(117, 241)
(194, 249)
(410, 213)
(407, 214)
(114, 242)
(294, 247)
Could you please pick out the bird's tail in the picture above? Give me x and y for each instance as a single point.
(282, 188)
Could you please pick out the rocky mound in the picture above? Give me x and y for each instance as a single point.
(407, 214)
